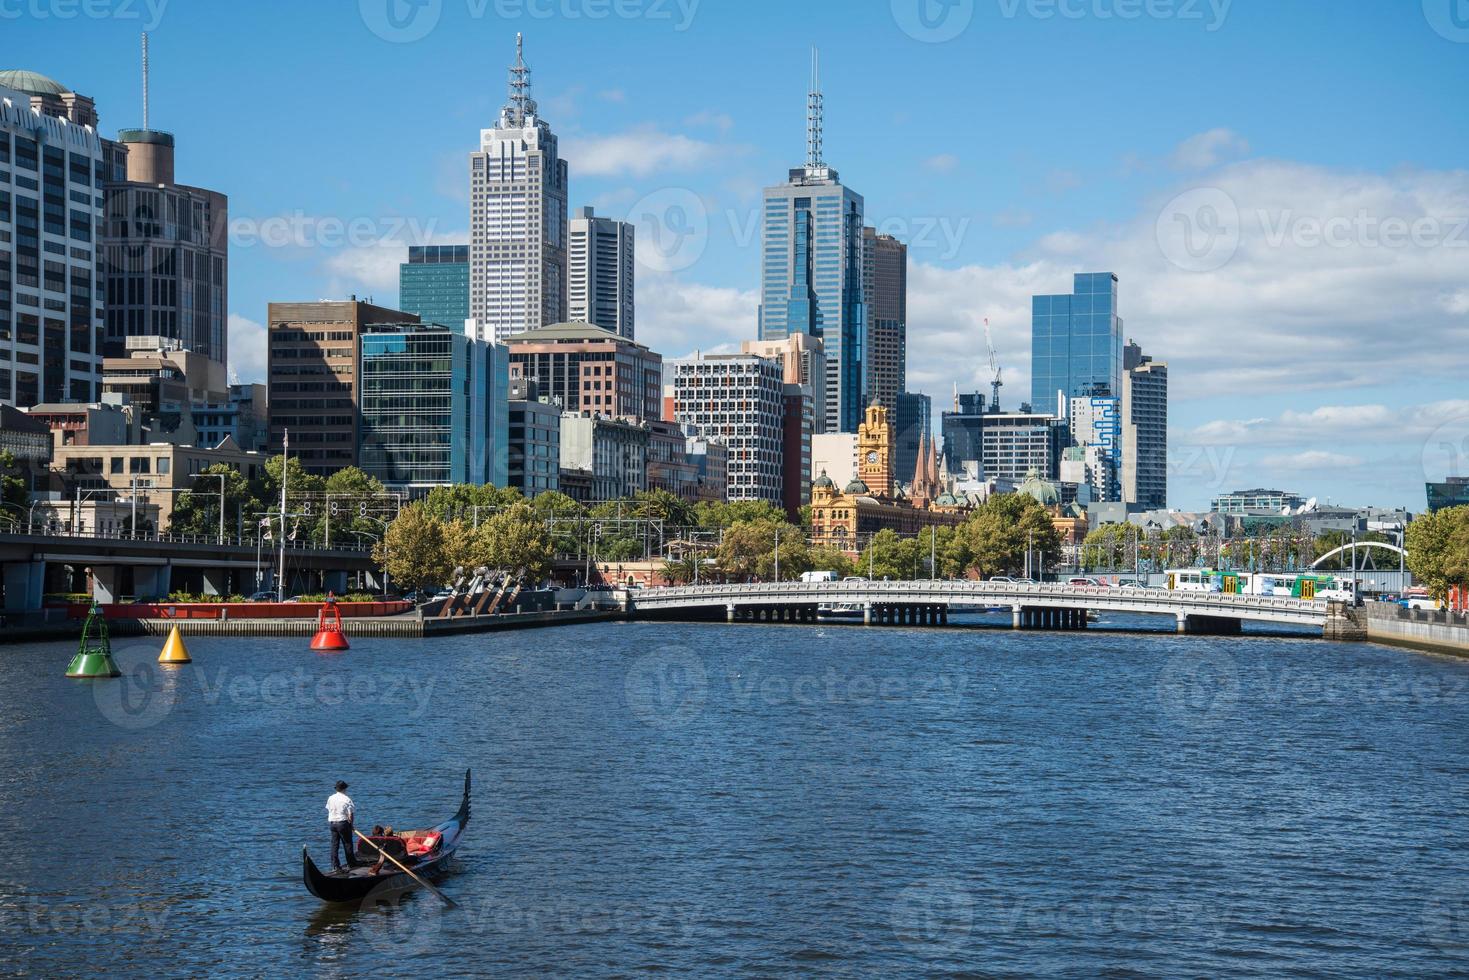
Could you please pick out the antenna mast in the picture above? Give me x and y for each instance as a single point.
(145, 79)
(521, 104)
(814, 113)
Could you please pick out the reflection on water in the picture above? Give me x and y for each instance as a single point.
(764, 799)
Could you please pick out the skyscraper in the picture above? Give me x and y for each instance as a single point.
(517, 221)
(885, 295)
(740, 400)
(51, 296)
(1095, 420)
(811, 271)
(1144, 429)
(165, 250)
(434, 284)
(1076, 341)
(914, 419)
(600, 272)
(434, 406)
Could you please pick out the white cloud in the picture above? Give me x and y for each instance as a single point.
(612, 95)
(1314, 459)
(246, 348)
(374, 268)
(639, 153)
(941, 163)
(675, 317)
(1209, 149)
(721, 121)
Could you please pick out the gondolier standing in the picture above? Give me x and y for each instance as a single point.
(339, 815)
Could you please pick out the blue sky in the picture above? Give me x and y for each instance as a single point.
(1317, 334)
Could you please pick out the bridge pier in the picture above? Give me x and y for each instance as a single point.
(1209, 625)
(25, 585)
(1047, 618)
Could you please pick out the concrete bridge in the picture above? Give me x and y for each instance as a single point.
(929, 602)
(156, 564)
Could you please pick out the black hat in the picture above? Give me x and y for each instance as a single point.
(341, 786)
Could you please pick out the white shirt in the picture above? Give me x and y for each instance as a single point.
(339, 808)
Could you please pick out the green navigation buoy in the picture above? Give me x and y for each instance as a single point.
(94, 655)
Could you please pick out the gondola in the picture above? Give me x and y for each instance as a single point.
(424, 853)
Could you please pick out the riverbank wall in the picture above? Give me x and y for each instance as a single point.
(1423, 629)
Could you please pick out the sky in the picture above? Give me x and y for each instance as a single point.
(1281, 187)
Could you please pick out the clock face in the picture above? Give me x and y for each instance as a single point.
(872, 457)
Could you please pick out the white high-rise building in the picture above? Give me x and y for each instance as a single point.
(600, 272)
(517, 219)
(52, 168)
(738, 399)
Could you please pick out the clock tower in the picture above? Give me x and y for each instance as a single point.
(875, 451)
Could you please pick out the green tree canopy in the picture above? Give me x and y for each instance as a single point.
(415, 549)
(1438, 550)
(999, 530)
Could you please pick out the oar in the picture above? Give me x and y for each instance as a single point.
(404, 868)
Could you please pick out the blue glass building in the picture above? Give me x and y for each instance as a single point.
(434, 405)
(434, 283)
(1076, 342)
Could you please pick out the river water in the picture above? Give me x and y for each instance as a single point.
(749, 798)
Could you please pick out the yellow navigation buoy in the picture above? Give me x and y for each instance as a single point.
(174, 651)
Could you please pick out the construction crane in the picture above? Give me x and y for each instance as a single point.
(994, 367)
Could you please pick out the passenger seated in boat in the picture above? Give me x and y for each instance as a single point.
(386, 844)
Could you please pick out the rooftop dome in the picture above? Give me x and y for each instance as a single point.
(858, 487)
(1044, 491)
(947, 500)
(31, 83)
(824, 482)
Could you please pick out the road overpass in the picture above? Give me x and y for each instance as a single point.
(929, 602)
(153, 565)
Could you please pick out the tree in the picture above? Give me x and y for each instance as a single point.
(1107, 546)
(748, 550)
(710, 513)
(566, 538)
(197, 512)
(12, 484)
(516, 538)
(462, 499)
(825, 559)
(414, 549)
(1438, 550)
(1000, 530)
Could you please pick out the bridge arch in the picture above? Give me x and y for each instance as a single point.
(1352, 546)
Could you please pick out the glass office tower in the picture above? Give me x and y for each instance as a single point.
(434, 407)
(1076, 342)
(434, 283)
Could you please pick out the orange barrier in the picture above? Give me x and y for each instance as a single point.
(238, 610)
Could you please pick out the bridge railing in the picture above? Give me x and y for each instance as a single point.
(980, 591)
(237, 541)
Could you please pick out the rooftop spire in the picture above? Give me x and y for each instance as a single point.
(145, 79)
(813, 115)
(521, 105)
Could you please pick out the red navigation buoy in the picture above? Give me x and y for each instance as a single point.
(329, 635)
